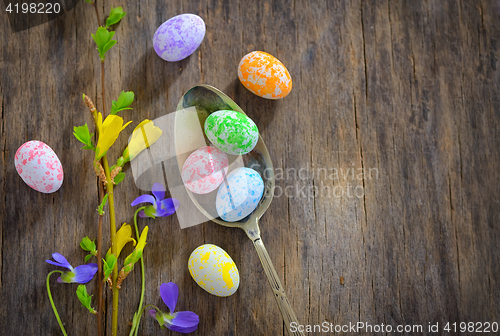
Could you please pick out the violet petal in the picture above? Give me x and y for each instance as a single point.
(61, 260)
(184, 322)
(169, 293)
(160, 213)
(143, 199)
(159, 191)
(170, 205)
(56, 264)
(84, 273)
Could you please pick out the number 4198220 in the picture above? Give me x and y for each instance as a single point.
(33, 8)
(478, 327)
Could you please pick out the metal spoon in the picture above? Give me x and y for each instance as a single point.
(207, 100)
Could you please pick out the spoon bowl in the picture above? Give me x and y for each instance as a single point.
(207, 99)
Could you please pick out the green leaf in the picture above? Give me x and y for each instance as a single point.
(85, 298)
(123, 102)
(108, 46)
(87, 245)
(83, 135)
(88, 256)
(100, 208)
(89, 1)
(119, 177)
(125, 98)
(82, 294)
(103, 39)
(109, 265)
(115, 16)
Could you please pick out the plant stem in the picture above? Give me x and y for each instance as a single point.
(136, 330)
(101, 192)
(97, 13)
(149, 305)
(103, 91)
(100, 301)
(99, 268)
(52, 302)
(100, 310)
(112, 224)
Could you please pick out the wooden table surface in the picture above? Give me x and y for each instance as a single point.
(393, 122)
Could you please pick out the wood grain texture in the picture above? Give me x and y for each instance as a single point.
(404, 91)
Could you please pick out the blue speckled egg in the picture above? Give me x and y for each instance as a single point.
(179, 37)
(239, 194)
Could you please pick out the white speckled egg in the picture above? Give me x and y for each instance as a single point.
(204, 170)
(214, 270)
(232, 132)
(239, 194)
(179, 37)
(39, 166)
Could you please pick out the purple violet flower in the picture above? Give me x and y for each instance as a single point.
(80, 274)
(161, 206)
(183, 321)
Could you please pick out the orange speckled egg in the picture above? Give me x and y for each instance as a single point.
(264, 75)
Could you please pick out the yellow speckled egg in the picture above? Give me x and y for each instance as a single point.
(214, 270)
(264, 75)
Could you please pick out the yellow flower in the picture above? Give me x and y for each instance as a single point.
(108, 133)
(123, 237)
(142, 239)
(144, 135)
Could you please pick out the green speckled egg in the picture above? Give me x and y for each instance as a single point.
(232, 132)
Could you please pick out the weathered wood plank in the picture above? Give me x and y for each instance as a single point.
(403, 91)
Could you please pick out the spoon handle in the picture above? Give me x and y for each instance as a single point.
(278, 289)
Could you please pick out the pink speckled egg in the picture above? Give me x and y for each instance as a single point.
(39, 167)
(204, 170)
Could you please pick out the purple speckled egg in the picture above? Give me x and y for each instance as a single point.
(179, 37)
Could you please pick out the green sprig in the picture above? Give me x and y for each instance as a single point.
(83, 135)
(88, 245)
(103, 40)
(123, 102)
(109, 265)
(85, 298)
(119, 177)
(115, 16)
(100, 208)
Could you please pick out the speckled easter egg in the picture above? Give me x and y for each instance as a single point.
(204, 170)
(264, 75)
(232, 132)
(179, 37)
(239, 194)
(39, 166)
(214, 270)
